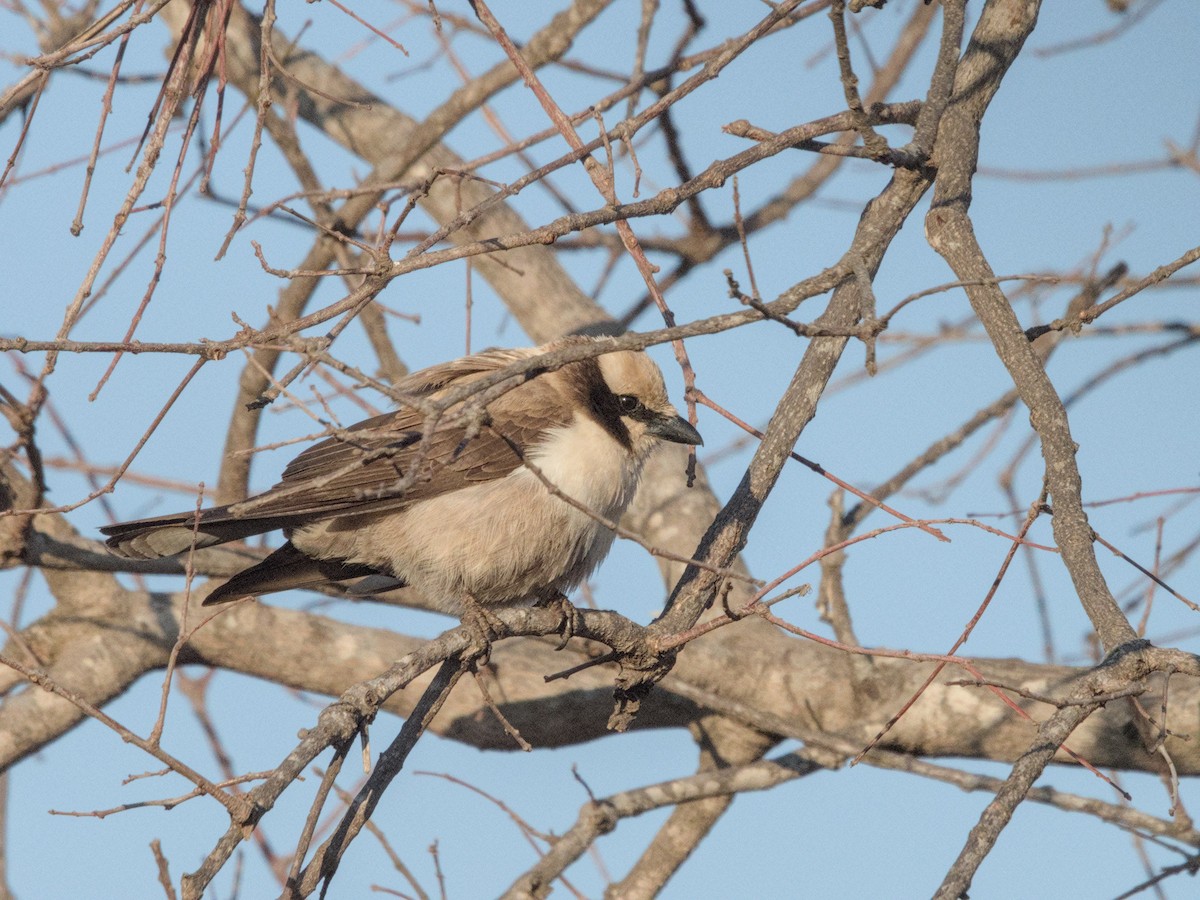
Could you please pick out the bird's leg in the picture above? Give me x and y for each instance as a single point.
(558, 600)
(484, 627)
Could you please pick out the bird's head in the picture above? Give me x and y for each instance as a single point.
(638, 396)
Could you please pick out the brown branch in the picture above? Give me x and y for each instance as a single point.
(324, 864)
(599, 817)
(48, 684)
(950, 232)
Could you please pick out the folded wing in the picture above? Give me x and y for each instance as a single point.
(381, 464)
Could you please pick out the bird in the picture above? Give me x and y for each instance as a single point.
(471, 513)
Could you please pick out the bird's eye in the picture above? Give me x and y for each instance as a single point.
(628, 403)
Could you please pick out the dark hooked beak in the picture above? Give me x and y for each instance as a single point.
(674, 428)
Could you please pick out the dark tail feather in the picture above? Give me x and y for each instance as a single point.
(284, 569)
(168, 535)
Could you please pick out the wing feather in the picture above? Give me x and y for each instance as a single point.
(364, 468)
(368, 467)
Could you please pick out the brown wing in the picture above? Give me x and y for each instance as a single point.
(367, 468)
(364, 469)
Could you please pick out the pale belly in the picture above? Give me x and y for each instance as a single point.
(502, 542)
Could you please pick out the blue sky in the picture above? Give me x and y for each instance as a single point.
(851, 833)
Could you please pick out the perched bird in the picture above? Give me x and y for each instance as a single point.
(457, 513)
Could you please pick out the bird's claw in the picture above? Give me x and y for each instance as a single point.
(570, 616)
(485, 628)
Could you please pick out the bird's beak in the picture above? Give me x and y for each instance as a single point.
(674, 428)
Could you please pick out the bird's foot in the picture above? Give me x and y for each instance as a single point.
(484, 628)
(570, 615)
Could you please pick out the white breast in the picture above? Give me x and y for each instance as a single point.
(587, 464)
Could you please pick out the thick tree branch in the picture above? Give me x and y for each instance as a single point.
(998, 38)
